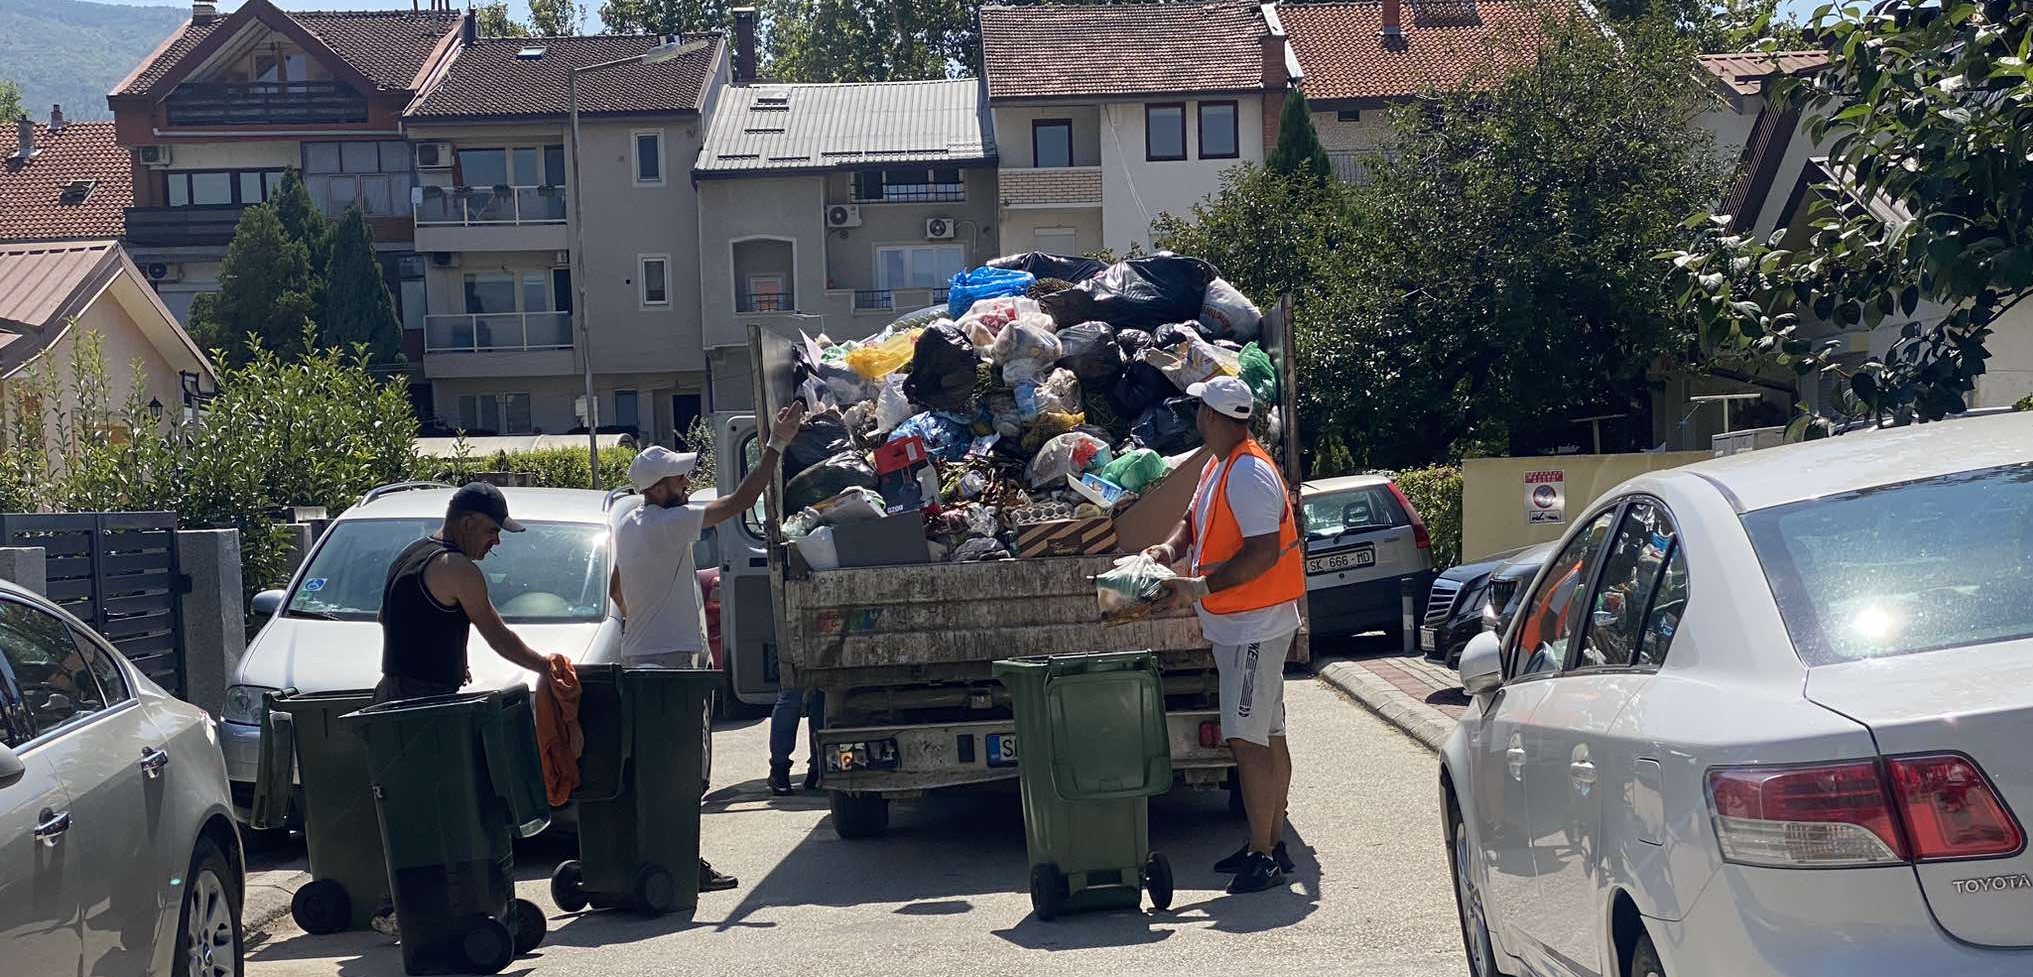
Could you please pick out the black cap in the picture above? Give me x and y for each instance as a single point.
(484, 499)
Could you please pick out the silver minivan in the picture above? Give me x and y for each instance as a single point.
(1363, 542)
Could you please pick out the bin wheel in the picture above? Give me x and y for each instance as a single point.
(567, 886)
(655, 892)
(487, 946)
(530, 925)
(321, 907)
(1048, 891)
(1158, 881)
(859, 815)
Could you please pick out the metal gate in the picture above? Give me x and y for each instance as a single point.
(117, 571)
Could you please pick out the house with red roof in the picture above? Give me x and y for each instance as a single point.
(64, 181)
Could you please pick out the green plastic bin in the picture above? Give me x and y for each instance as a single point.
(301, 735)
(640, 780)
(456, 779)
(1091, 730)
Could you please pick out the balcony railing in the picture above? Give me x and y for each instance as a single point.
(265, 103)
(468, 206)
(1353, 168)
(882, 299)
(497, 332)
(765, 302)
(916, 193)
(169, 227)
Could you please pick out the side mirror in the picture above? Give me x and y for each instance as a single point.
(11, 769)
(1482, 664)
(268, 602)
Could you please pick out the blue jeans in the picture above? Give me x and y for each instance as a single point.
(783, 723)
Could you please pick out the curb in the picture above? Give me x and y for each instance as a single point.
(267, 896)
(1394, 706)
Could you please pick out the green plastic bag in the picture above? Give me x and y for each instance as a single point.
(1258, 372)
(1135, 470)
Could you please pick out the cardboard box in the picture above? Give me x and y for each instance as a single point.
(1067, 537)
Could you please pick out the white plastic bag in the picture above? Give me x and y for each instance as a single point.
(1024, 352)
(988, 318)
(1229, 313)
(1059, 393)
(891, 406)
(1068, 454)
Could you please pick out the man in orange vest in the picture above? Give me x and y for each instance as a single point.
(1245, 573)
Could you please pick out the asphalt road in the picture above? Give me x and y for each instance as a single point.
(944, 892)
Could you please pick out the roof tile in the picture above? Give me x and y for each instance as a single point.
(1099, 50)
(1745, 74)
(1444, 44)
(33, 203)
(488, 80)
(387, 46)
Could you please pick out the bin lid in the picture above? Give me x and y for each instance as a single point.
(458, 701)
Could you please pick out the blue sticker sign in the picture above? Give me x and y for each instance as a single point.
(314, 584)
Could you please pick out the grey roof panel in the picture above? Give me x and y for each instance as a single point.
(766, 127)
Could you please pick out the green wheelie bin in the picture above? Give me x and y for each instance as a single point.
(640, 779)
(301, 734)
(456, 780)
(1093, 751)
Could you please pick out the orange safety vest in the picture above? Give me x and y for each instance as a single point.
(1284, 581)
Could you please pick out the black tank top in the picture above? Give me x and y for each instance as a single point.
(421, 639)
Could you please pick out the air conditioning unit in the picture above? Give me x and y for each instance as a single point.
(445, 259)
(843, 215)
(434, 156)
(561, 258)
(938, 228)
(165, 271)
(153, 157)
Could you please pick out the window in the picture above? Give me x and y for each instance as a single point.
(1328, 516)
(765, 294)
(106, 667)
(1218, 138)
(490, 292)
(56, 681)
(918, 265)
(656, 289)
(1668, 604)
(1619, 611)
(374, 175)
(483, 168)
(1165, 132)
(1541, 635)
(1348, 115)
(942, 184)
(1052, 142)
(500, 413)
(554, 573)
(627, 409)
(219, 188)
(649, 158)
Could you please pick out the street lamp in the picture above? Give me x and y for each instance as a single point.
(672, 46)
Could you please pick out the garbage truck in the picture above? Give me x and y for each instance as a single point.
(904, 653)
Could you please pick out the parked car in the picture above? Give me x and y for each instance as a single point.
(1508, 585)
(1454, 609)
(1763, 715)
(118, 854)
(1363, 541)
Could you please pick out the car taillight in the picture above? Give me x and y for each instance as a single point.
(1950, 809)
(1210, 734)
(1420, 537)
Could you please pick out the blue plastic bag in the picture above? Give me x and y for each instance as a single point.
(947, 437)
(970, 287)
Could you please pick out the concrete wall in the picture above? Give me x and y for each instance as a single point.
(624, 221)
(1020, 227)
(1337, 136)
(1013, 132)
(2008, 374)
(850, 257)
(791, 207)
(122, 345)
(235, 155)
(1494, 497)
(1135, 190)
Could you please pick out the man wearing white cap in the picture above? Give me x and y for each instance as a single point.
(1245, 574)
(654, 585)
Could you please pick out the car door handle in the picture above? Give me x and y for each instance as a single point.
(51, 826)
(153, 762)
(1582, 772)
(1515, 757)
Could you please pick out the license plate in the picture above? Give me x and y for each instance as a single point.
(1427, 639)
(1351, 560)
(869, 755)
(1002, 750)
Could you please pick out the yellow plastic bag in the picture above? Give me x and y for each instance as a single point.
(884, 358)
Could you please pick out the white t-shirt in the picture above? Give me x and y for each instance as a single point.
(1257, 497)
(659, 585)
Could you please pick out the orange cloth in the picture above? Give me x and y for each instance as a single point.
(559, 740)
(1284, 581)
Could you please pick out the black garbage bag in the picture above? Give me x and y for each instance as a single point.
(1141, 388)
(828, 478)
(822, 436)
(1044, 265)
(943, 366)
(1138, 293)
(1168, 428)
(1091, 353)
(1172, 334)
(1132, 341)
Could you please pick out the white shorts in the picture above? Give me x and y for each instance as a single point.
(1253, 689)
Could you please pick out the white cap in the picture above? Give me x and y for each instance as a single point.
(657, 463)
(1227, 395)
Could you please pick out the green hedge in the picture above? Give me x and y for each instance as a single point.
(551, 468)
(1436, 493)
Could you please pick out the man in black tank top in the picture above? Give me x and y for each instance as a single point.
(436, 594)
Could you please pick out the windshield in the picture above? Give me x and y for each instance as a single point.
(555, 572)
(1937, 563)
(1352, 511)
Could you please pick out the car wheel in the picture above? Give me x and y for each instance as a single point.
(208, 927)
(1645, 960)
(1468, 903)
(858, 815)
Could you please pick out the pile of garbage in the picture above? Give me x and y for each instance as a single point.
(1015, 420)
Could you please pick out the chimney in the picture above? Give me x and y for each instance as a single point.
(469, 29)
(1394, 20)
(56, 118)
(204, 11)
(744, 45)
(26, 129)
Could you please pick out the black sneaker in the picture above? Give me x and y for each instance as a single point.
(780, 778)
(1233, 863)
(712, 881)
(1259, 872)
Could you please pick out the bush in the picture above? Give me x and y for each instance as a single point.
(550, 468)
(1436, 493)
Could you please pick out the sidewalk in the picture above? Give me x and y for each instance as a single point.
(1418, 696)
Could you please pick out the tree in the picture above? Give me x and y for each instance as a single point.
(265, 289)
(357, 308)
(868, 40)
(661, 16)
(1713, 26)
(556, 18)
(493, 21)
(302, 220)
(1298, 149)
(10, 101)
(1929, 109)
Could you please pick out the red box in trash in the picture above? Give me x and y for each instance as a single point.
(901, 455)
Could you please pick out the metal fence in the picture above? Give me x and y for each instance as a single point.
(117, 571)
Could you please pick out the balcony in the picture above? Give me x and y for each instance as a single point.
(265, 103)
(491, 219)
(172, 227)
(1051, 187)
(497, 332)
(764, 302)
(892, 299)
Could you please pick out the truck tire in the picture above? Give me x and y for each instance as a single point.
(859, 815)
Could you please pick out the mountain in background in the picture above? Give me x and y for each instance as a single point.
(70, 53)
